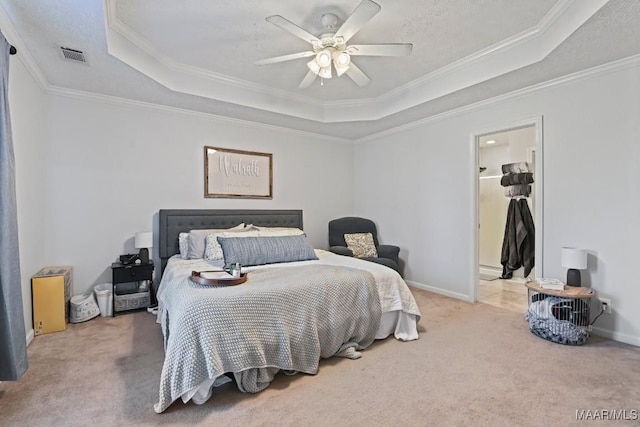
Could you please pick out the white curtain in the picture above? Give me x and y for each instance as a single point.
(13, 341)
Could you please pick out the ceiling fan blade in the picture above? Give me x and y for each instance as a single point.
(389, 49)
(289, 26)
(308, 79)
(284, 58)
(362, 14)
(357, 75)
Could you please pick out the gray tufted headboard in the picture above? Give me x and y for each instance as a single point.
(175, 221)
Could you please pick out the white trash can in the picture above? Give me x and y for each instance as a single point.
(104, 295)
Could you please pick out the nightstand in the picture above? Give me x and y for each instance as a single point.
(127, 292)
(560, 316)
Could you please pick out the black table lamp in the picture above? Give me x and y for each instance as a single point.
(575, 260)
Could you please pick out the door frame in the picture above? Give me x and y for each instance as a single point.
(475, 204)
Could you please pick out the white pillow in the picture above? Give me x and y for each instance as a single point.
(183, 243)
(196, 240)
(278, 231)
(213, 250)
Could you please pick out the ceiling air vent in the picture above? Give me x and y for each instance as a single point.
(73, 55)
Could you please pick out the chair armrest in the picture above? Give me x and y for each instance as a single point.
(341, 250)
(388, 251)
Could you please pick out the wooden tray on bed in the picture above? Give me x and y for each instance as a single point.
(196, 276)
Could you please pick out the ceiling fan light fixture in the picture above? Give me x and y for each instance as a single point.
(325, 72)
(340, 70)
(313, 66)
(341, 58)
(323, 58)
(330, 50)
(341, 62)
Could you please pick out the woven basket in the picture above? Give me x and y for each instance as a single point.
(82, 308)
(131, 301)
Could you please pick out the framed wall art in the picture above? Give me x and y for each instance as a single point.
(237, 174)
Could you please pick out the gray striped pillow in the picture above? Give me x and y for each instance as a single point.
(266, 250)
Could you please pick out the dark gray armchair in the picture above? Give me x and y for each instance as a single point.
(387, 254)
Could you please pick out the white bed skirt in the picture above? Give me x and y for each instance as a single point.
(403, 326)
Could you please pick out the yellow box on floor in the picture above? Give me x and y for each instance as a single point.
(51, 290)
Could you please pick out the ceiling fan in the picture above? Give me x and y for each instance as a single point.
(330, 48)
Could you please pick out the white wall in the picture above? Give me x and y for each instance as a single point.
(108, 168)
(27, 109)
(417, 186)
(111, 167)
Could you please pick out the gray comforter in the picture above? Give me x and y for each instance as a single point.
(280, 319)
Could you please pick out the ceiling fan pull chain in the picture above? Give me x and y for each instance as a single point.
(321, 81)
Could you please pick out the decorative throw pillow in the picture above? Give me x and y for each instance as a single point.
(213, 250)
(361, 244)
(197, 240)
(266, 250)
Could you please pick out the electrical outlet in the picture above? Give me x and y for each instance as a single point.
(605, 305)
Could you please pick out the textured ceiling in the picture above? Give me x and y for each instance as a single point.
(226, 37)
(132, 45)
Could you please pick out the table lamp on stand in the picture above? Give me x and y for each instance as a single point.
(144, 241)
(575, 260)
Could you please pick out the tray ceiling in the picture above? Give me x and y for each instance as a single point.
(200, 56)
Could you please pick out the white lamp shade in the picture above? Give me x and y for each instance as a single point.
(323, 58)
(573, 258)
(341, 61)
(325, 72)
(313, 66)
(144, 240)
(341, 58)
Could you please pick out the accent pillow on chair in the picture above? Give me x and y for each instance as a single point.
(361, 245)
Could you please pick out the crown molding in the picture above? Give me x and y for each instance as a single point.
(163, 60)
(135, 51)
(114, 100)
(31, 66)
(518, 51)
(600, 70)
(522, 49)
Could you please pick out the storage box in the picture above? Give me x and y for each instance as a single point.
(51, 290)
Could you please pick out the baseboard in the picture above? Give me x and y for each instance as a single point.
(490, 271)
(604, 333)
(616, 336)
(30, 336)
(439, 291)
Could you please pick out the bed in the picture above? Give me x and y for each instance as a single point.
(303, 306)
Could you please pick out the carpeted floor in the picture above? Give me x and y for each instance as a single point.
(474, 364)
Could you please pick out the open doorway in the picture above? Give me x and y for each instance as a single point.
(518, 146)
